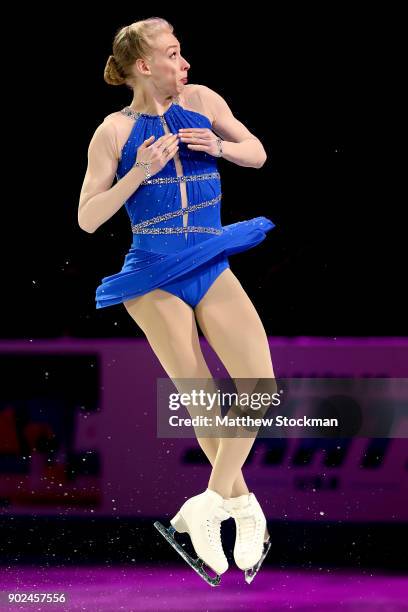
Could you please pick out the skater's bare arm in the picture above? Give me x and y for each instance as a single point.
(99, 201)
(239, 145)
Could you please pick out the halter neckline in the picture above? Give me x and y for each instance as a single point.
(135, 112)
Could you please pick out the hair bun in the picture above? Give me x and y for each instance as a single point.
(132, 42)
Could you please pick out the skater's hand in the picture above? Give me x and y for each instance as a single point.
(159, 152)
(200, 139)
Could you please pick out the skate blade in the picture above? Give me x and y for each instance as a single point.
(252, 572)
(196, 564)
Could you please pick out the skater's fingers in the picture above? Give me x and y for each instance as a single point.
(168, 150)
(163, 143)
(167, 137)
(172, 150)
(146, 142)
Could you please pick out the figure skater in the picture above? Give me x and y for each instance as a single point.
(163, 151)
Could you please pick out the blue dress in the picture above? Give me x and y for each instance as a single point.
(165, 253)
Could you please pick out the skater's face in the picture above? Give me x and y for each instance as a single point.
(166, 68)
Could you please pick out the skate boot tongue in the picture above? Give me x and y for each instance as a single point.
(218, 510)
(241, 500)
(234, 504)
(221, 514)
(214, 495)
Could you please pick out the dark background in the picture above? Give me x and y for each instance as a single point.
(322, 90)
(321, 86)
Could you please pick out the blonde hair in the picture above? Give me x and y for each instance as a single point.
(132, 42)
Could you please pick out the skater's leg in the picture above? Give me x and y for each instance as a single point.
(232, 326)
(231, 456)
(233, 448)
(171, 330)
(210, 448)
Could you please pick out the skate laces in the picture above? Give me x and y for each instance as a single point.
(248, 526)
(214, 531)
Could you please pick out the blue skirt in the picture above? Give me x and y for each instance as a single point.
(144, 271)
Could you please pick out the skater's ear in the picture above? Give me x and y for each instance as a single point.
(224, 123)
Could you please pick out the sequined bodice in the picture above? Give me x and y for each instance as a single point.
(180, 205)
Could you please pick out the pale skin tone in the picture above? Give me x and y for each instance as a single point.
(225, 315)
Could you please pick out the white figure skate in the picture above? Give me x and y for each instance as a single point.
(201, 516)
(251, 547)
